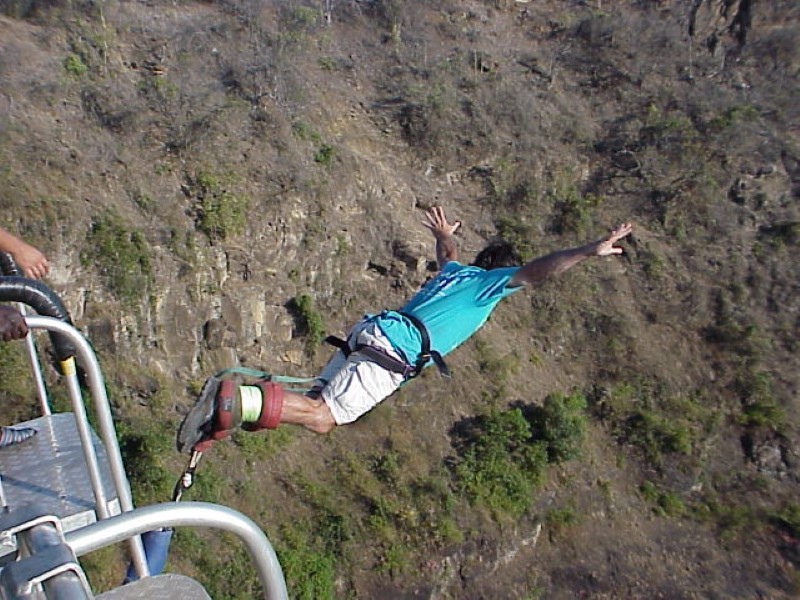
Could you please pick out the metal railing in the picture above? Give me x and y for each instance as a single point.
(88, 361)
(194, 514)
(47, 559)
(69, 344)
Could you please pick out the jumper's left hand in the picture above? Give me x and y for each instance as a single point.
(606, 247)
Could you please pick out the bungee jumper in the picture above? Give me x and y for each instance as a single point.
(385, 350)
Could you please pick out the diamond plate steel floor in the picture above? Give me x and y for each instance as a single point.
(161, 587)
(49, 470)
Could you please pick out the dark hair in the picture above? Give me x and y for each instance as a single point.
(497, 254)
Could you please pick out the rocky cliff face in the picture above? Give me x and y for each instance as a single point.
(193, 169)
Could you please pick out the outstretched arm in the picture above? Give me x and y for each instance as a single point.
(443, 231)
(539, 269)
(30, 260)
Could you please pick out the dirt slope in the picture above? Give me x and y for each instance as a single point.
(194, 168)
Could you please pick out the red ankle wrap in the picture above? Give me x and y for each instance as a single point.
(223, 417)
(270, 417)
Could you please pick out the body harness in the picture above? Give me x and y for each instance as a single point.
(390, 363)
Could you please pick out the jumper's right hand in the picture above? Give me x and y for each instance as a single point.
(12, 324)
(437, 223)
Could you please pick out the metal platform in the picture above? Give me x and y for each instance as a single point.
(170, 586)
(49, 470)
(66, 494)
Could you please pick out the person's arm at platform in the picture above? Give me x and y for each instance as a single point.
(30, 260)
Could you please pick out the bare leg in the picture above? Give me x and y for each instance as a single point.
(311, 413)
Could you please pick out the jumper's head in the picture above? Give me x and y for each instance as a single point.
(497, 254)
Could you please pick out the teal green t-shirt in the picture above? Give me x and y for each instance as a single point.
(453, 305)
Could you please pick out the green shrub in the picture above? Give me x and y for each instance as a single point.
(788, 518)
(144, 445)
(667, 131)
(665, 503)
(781, 234)
(734, 116)
(309, 320)
(572, 212)
(656, 434)
(324, 155)
(517, 233)
(260, 446)
(121, 256)
(394, 558)
(74, 65)
(303, 131)
(221, 213)
(15, 378)
(560, 519)
(309, 569)
(731, 520)
(560, 423)
(502, 464)
(223, 564)
(498, 368)
(302, 18)
(761, 409)
(644, 416)
(763, 414)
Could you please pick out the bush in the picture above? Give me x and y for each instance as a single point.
(309, 572)
(573, 212)
(502, 464)
(788, 518)
(144, 446)
(15, 379)
(656, 434)
(223, 564)
(519, 234)
(657, 424)
(560, 423)
(220, 212)
(761, 408)
(324, 156)
(665, 503)
(75, 66)
(497, 368)
(560, 519)
(763, 414)
(310, 322)
(121, 256)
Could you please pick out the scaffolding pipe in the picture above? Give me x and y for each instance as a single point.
(36, 369)
(105, 421)
(193, 514)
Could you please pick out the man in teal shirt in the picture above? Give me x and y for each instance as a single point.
(383, 351)
(453, 306)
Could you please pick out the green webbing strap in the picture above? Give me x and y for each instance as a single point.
(255, 374)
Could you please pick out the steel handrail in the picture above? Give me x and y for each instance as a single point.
(88, 361)
(196, 514)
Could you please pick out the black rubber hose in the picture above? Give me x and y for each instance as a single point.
(45, 302)
(7, 265)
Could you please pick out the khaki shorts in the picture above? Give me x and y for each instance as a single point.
(355, 385)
